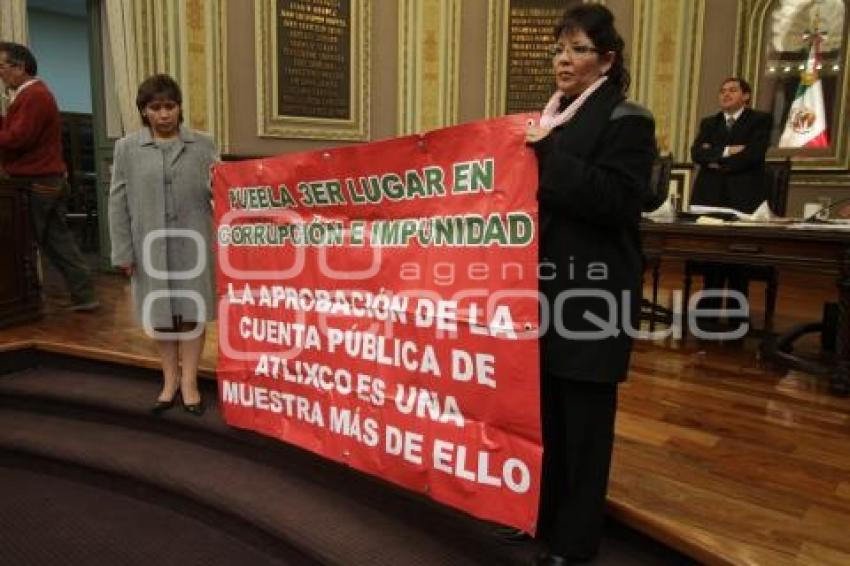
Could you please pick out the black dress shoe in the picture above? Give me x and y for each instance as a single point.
(161, 406)
(511, 535)
(547, 559)
(196, 409)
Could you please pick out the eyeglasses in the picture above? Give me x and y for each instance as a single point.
(558, 49)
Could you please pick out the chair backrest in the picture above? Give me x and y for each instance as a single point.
(659, 183)
(777, 177)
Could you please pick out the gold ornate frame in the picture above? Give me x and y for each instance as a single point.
(665, 60)
(680, 184)
(496, 71)
(751, 24)
(272, 124)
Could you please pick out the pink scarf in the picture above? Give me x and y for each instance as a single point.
(551, 118)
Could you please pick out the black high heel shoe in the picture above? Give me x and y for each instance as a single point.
(160, 407)
(196, 409)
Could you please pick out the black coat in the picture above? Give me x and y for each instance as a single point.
(739, 181)
(594, 174)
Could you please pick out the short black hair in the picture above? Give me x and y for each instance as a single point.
(745, 86)
(158, 86)
(597, 22)
(18, 54)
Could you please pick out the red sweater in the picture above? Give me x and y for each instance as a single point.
(31, 135)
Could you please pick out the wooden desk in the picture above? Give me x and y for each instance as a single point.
(821, 251)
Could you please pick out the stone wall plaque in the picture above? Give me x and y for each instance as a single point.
(529, 77)
(314, 58)
(313, 68)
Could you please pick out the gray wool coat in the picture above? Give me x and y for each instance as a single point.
(174, 271)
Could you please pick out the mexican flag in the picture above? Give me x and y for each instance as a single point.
(806, 124)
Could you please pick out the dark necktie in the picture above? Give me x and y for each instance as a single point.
(730, 121)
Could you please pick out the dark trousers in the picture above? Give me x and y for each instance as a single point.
(578, 437)
(56, 241)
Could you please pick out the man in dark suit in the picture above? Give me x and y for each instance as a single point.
(730, 150)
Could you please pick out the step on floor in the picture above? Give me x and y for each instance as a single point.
(299, 497)
(51, 519)
(95, 415)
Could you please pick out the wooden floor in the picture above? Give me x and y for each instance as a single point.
(716, 454)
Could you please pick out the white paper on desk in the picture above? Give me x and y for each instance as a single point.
(663, 212)
(702, 209)
(710, 221)
(761, 214)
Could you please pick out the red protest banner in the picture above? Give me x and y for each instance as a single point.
(379, 307)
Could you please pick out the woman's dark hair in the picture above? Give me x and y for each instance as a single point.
(597, 22)
(20, 55)
(158, 86)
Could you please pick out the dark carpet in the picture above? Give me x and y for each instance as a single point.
(87, 476)
(49, 520)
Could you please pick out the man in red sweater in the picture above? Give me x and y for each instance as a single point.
(31, 152)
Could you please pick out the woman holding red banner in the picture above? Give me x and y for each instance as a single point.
(160, 222)
(596, 152)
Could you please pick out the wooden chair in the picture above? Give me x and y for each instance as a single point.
(659, 183)
(777, 179)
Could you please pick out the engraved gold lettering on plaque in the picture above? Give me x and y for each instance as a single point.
(314, 58)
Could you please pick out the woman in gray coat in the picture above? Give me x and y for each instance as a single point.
(160, 222)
